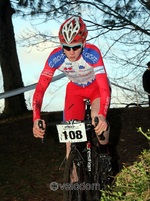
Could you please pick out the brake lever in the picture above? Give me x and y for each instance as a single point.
(40, 124)
(101, 136)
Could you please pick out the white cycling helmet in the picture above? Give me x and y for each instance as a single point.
(73, 30)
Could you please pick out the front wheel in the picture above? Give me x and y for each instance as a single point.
(72, 179)
(102, 174)
(96, 179)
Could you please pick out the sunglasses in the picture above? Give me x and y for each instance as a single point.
(75, 47)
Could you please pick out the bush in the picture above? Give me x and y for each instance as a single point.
(133, 182)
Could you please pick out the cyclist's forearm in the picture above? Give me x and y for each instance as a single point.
(36, 112)
(104, 105)
(41, 87)
(36, 105)
(105, 93)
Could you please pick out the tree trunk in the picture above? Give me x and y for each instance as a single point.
(12, 77)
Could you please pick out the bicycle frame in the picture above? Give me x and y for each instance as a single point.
(88, 162)
(92, 167)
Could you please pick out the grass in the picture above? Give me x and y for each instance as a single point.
(133, 182)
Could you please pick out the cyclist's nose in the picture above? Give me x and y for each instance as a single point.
(72, 51)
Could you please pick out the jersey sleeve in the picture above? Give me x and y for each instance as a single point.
(105, 94)
(43, 83)
(55, 59)
(103, 84)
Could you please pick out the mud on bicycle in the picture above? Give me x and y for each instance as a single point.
(88, 169)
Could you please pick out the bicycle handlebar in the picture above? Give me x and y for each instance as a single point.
(96, 120)
(40, 124)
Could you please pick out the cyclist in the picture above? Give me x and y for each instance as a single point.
(82, 63)
(146, 81)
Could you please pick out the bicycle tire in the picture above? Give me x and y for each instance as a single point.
(71, 192)
(106, 172)
(103, 174)
(96, 177)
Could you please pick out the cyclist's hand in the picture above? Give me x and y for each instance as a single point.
(102, 124)
(38, 132)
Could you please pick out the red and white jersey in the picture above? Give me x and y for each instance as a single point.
(83, 72)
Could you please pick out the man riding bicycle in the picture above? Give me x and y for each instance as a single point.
(82, 63)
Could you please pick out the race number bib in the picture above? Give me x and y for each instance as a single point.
(72, 132)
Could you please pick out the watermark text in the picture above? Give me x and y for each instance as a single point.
(54, 186)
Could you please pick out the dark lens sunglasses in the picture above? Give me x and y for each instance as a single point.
(68, 48)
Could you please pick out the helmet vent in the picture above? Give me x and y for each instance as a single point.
(71, 29)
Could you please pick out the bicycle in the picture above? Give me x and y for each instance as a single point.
(91, 166)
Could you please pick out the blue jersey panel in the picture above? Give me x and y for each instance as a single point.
(91, 56)
(56, 59)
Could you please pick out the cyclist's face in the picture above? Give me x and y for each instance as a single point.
(73, 51)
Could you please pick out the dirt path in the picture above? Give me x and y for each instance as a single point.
(28, 168)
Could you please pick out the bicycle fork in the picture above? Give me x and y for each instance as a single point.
(89, 160)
